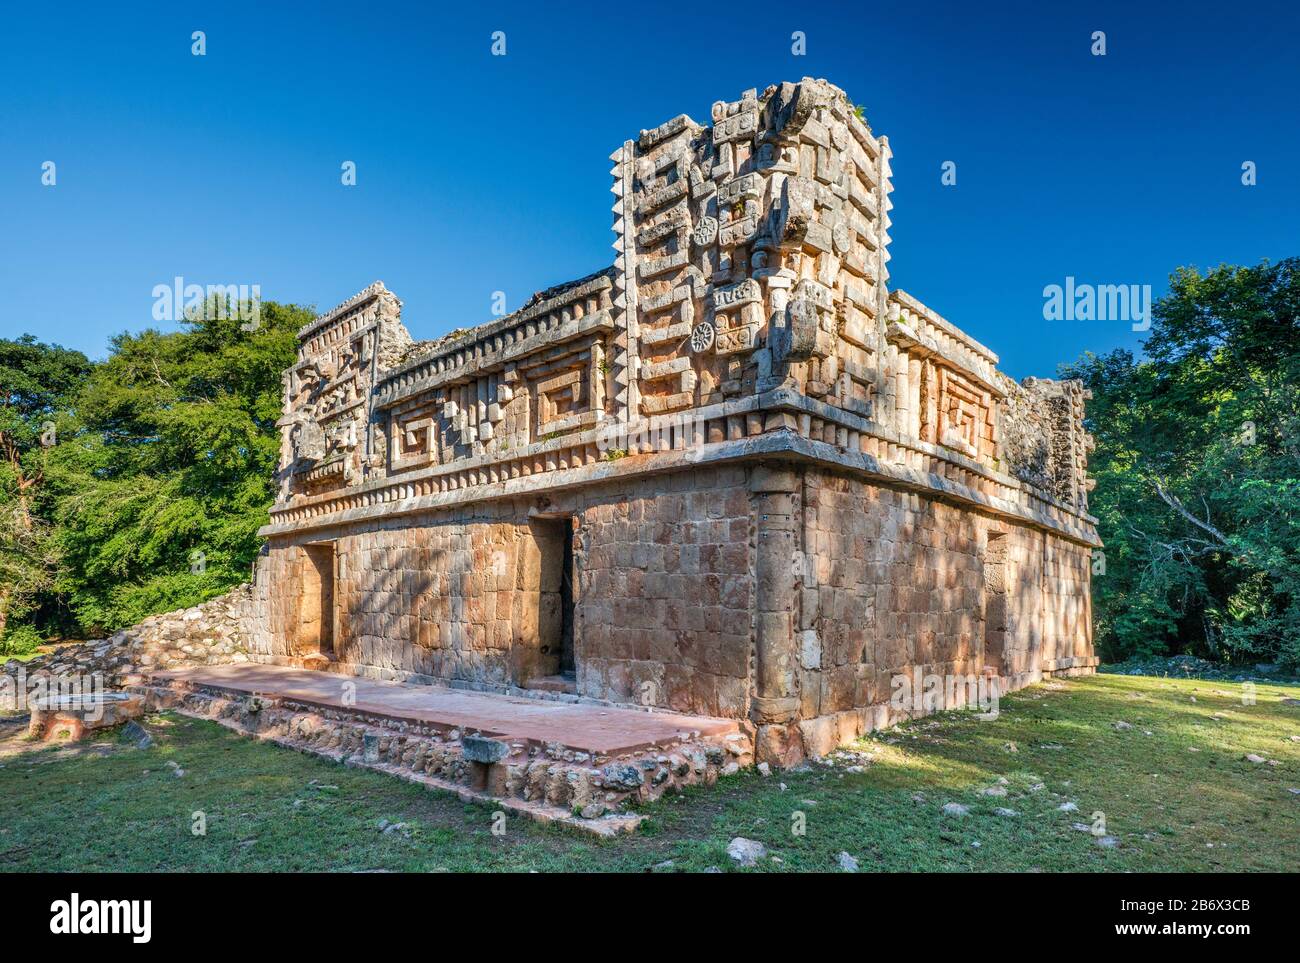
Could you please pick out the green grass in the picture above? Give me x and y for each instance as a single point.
(106, 806)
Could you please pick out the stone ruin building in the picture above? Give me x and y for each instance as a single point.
(732, 482)
(734, 474)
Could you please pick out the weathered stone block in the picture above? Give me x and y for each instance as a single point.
(484, 750)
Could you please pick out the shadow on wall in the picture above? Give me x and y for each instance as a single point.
(495, 604)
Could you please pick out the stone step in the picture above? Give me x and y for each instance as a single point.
(553, 683)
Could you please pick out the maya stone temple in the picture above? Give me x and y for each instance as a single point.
(732, 475)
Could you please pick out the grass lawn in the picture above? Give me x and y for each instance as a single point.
(1175, 789)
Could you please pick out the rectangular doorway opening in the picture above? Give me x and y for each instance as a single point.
(316, 625)
(995, 603)
(555, 668)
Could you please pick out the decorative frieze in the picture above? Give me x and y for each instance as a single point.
(750, 256)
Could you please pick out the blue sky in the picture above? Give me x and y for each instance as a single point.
(478, 173)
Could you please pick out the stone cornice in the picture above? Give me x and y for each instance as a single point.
(424, 377)
(939, 321)
(361, 297)
(406, 494)
(426, 361)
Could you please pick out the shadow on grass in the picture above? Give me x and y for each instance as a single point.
(1167, 807)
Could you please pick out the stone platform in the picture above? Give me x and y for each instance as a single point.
(594, 729)
(560, 762)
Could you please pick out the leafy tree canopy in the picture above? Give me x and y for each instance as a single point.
(165, 464)
(36, 382)
(1198, 471)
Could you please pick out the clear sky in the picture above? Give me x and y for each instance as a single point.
(479, 173)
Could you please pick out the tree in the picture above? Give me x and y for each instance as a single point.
(1198, 469)
(168, 468)
(36, 381)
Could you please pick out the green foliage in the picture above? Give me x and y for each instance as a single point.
(168, 469)
(36, 382)
(20, 640)
(164, 467)
(115, 807)
(1198, 472)
(27, 559)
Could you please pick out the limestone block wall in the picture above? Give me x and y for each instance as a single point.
(789, 595)
(1023, 649)
(1066, 606)
(431, 597)
(894, 582)
(891, 580)
(662, 602)
(666, 594)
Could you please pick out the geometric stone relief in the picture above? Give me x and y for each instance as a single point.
(326, 437)
(954, 412)
(751, 255)
(765, 230)
(566, 388)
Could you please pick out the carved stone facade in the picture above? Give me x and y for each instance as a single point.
(733, 474)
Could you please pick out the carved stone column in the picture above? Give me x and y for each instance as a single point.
(774, 706)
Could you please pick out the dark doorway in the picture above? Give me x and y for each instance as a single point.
(567, 575)
(995, 603)
(554, 666)
(317, 622)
